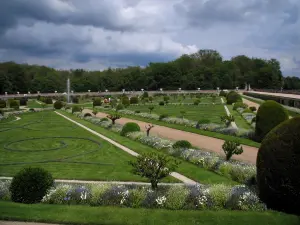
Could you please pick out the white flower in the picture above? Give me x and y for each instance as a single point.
(161, 200)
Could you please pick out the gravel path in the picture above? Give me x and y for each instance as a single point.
(176, 175)
(203, 142)
(250, 103)
(233, 124)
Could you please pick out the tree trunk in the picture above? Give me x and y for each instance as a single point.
(148, 131)
(154, 184)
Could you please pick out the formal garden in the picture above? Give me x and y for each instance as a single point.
(39, 145)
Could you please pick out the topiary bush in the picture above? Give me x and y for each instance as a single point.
(58, 105)
(130, 127)
(2, 103)
(222, 93)
(75, 99)
(197, 102)
(252, 108)
(162, 116)
(233, 97)
(30, 185)
(134, 100)
(161, 103)
(269, 115)
(182, 144)
(48, 101)
(23, 101)
(125, 101)
(14, 104)
(119, 107)
(278, 166)
(97, 102)
(239, 105)
(76, 108)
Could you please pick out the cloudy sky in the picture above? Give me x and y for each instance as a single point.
(96, 34)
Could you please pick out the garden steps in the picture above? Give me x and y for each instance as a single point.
(203, 142)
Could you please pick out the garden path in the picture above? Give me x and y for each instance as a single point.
(250, 103)
(233, 124)
(203, 142)
(176, 175)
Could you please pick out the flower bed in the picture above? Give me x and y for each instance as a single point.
(247, 116)
(199, 197)
(237, 171)
(190, 123)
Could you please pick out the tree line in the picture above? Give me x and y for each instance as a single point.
(205, 69)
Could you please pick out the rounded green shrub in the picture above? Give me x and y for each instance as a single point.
(252, 108)
(134, 100)
(222, 93)
(125, 101)
(269, 115)
(137, 111)
(76, 108)
(14, 104)
(119, 107)
(197, 102)
(130, 127)
(247, 111)
(75, 99)
(2, 103)
(23, 101)
(97, 102)
(182, 144)
(233, 97)
(239, 105)
(48, 101)
(104, 119)
(162, 116)
(58, 105)
(30, 185)
(278, 166)
(161, 103)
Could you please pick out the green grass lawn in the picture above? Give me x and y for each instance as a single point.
(186, 168)
(32, 103)
(187, 99)
(47, 140)
(192, 112)
(239, 120)
(76, 214)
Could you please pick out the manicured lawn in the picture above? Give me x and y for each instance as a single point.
(239, 120)
(188, 169)
(48, 140)
(187, 99)
(32, 103)
(192, 112)
(75, 214)
(243, 141)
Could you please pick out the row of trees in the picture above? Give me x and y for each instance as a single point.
(205, 69)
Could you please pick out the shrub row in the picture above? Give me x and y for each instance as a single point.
(175, 197)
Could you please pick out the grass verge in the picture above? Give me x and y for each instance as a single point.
(75, 214)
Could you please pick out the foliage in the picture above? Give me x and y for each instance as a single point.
(182, 112)
(23, 101)
(197, 102)
(148, 128)
(222, 93)
(75, 99)
(154, 167)
(233, 97)
(125, 101)
(151, 109)
(76, 108)
(97, 102)
(113, 117)
(278, 166)
(182, 144)
(204, 121)
(231, 148)
(269, 115)
(14, 104)
(2, 103)
(161, 103)
(166, 98)
(30, 185)
(120, 107)
(130, 127)
(163, 116)
(176, 201)
(134, 100)
(227, 119)
(48, 101)
(145, 95)
(252, 108)
(239, 105)
(58, 105)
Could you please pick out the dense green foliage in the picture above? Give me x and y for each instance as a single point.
(278, 166)
(222, 93)
(13, 104)
(182, 144)
(30, 185)
(239, 105)
(97, 102)
(23, 101)
(125, 101)
(130, 127)
(233, 97)
(2, 103)
(76, 108)
(120, 107)
(231, 148)
(205, 69)
(134, 100)
(269, 115)
(58, 105)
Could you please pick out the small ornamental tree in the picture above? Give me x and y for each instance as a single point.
(166, 98)
(150, 99)
(148, 128)
(182, 112)
(227, 119)
(14, 104)
(134, 100)
(113, 117)
(125, 101)
(154, 167)
(145, 95)
(233, 97)
(95, 112)
(151, 109)
(231, 148)
(58, 105)
(119, 107)
(2, 103)
(48, 101)
(197, 102)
